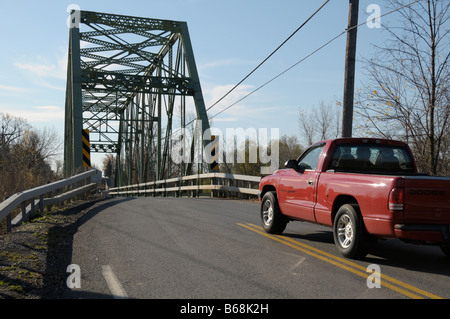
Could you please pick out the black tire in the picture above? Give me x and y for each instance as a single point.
(273, 221)
(349, 233)
(446, 250)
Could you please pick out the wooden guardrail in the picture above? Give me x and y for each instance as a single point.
(35, 197)
(218, 184)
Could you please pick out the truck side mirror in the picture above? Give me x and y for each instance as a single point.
(291, 164)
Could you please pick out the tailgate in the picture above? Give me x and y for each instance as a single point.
(427, 200)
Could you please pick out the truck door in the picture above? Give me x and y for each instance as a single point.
(297, 191)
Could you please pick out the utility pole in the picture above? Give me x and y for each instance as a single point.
(349, 81)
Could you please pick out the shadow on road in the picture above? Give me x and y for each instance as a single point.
(389, 252)
(60, 245)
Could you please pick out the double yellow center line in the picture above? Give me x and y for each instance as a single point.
(386, 281)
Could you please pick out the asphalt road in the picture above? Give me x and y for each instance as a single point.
(194, 248)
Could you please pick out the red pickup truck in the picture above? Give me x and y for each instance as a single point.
(364, 189)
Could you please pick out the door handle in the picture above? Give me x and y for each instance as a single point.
(311, 182)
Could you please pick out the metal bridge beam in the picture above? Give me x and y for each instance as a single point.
(73, 158)
(128, 80)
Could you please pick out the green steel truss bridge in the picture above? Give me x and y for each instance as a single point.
(129, 83)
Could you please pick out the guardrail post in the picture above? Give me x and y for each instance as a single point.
(236, 184)
(41, 204)
(24, 210)
(33, 207)
(165, 188)
(8, 223)
(198, 186)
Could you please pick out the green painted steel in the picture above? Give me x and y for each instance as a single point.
(129, 82)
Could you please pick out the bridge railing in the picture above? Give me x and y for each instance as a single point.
(77, 184)
(213, 184)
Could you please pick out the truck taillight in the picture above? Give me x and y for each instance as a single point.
(396, 199)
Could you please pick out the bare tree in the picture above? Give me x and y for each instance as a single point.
(11, 130)
(46, 142)
(319, 123)
(26, 154)
(407, 96)
(109, 163)
(307, 125)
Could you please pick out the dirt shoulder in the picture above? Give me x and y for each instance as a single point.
(34, 256)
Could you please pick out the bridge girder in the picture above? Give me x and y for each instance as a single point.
(128, 77)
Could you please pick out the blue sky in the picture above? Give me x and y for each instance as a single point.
(229, 39)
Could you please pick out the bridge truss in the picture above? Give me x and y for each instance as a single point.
(130, 81)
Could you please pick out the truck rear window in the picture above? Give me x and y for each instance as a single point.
(371, 158)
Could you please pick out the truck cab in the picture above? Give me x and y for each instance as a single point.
(363, 189)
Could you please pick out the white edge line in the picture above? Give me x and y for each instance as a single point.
(113, 283)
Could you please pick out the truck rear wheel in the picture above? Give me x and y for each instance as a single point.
(349, 233)
(273, 221)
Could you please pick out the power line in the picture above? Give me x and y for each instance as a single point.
(295, 64)
(269, 56)
(280, 74)
(303, 59)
